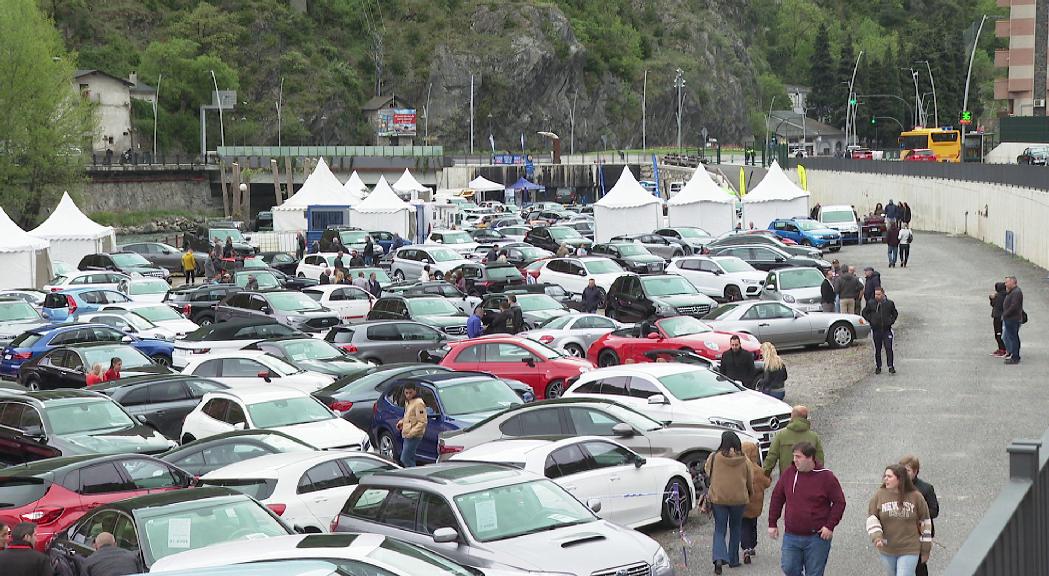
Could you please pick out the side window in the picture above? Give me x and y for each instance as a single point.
(471, 354)
(167, 392)
(615, 386)
(343, 336)
(241, 368)
(93, 525)
(235, 414)
(208, 368)
(589, 422)
(257, 303)
(146, 474)
(753, 314)
(323, 477)
(708, 266)
(137, 396)
(770, 281)
(779, 311)
(101, 479)
(11, 414)
(557, 266)
(361, 467)
(436, 513)
(354, 294)
(400, 509)
(100, 334)
(124, 533)
(606, 455)
(565, 461)
(534, 423)
(640, 388)
(506, 353)
(216, 408)
(416, 332)
(383, 333)
(367, 504)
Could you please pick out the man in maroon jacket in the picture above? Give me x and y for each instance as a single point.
(815, 505)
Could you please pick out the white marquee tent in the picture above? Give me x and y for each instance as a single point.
(626, 209)
(72, 234)
(383, 210)
(356, 186)
(23, 257)
(704, 204)
(480, 185)
(407, 185)
(774, 197)
(321, 188)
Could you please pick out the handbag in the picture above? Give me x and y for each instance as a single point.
(704, 499)
(1023, 319)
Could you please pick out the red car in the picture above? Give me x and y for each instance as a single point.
(677, 332)
(546, 370)
(861, 154)
(54, 493)
(921, 155)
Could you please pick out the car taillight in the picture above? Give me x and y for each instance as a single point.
(186, 310)
(201, 350)
(56, 288)
(43, 515)
(347, 347)
(546, 339)
(278, 509)
(71, 303)
(443, 448)
(341, 405)
(533, 273)
(484, 284)
(22, 356)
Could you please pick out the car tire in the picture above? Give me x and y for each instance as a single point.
(375, 361)
(695, 461)
(676, 516)
(607, 358)
(206, 320)
(300, 275)
(387, 447)
(438, 275)
(33, 384)
(162, 360)
(186, 439)
(575, 350)
(805, 242)
(398, 276)
(841, 335)
(555, 389)
(733, 293)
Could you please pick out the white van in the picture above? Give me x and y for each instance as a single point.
(843, 219)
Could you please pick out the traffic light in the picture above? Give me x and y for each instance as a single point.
(874, 120)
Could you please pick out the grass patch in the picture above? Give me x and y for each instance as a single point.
(138, 218)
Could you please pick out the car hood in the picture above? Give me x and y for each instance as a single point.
(745, 405)
(334, 367)
(442, 321)
(801, 293)
(544, 315)
(644, 259)
(678, 300)
(179, 326)
(142, 268)
(575, 242)
(326, 434)
(139, 439)
(580, 549)
(717, 337)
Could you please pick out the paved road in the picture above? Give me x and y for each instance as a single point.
(952, 404)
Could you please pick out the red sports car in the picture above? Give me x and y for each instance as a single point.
(677, 332)
(544, 369)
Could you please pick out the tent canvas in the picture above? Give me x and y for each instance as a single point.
(320, 188)
(356, 187)
(383, 210)
(23, 258)
(72, 234)
(523, 184)
(627, 209)
(481, 185)
(701, 202)
(408, 185)
(774, 197)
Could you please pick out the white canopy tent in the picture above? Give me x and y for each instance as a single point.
(72, 235)
(626, 209)
(482, 184)
(408, 185)
(704, 204)
(23, 257)
(321, 188)
(774, 197)
(383, 210)
(356, 187)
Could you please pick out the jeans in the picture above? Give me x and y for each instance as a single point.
(892, 255)
(748, 540)
(905, 254)
(922, 570)
(730, 518)
(779, 394)
(899, 565)
(408, 448)
(882, 338)
(804, 555)
(1011, 335)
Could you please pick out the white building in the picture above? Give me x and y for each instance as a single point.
(112, 97)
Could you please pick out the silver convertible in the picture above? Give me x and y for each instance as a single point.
(573, 333)
(787, 326)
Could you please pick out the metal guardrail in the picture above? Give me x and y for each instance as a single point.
(1036, 177)
(146, 162)
(1011, 538)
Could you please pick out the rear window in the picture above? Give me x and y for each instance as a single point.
(16, 492)
(25, 340)
(257, 488)
(504, 273)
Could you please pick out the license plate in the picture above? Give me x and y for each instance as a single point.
(7, 356)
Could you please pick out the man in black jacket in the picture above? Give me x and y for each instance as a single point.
(1012, 317)
(593, 297)
(737, 363)
(827, 295)
(871, 282)
(374, 288)
(500, 320)
(881, 314)
(849, 290)
(516, 315)
(19, 558)
(109, 560)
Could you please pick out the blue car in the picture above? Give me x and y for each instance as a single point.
(61, 306)
(807, 232)
(33, 343)
(385, 239)
(454, 400)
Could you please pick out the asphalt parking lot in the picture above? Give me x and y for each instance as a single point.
(951, 404)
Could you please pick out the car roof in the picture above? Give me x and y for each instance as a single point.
(232, 354)
(41, 467)
(510, 449)
(130, 381)
(173, 497)
(441, 379)
(656, 369)
(453, 476)
(270, 465)
(229, 327)
(50, 395)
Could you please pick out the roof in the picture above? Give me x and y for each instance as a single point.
(14, 239)
(507, 450)
(129, 381)
(231, 434)
(701, 188)
(381, 102)
(81, 72)
(259, 393)
(483, 184)
(51, 395)
(320, 188)
(67, 222)
(454, 476)
(657, 369)
(627, 193)
(775, 186)
(229, 327)
(268, 465)
(356, 186)
(383, 200)
(407, 184)
(39, 467)
(443, 378)
(174, 497)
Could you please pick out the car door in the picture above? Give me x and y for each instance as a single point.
(413, 338)
(513, 361)
(23, 434)
(435, 425)
(469, 357)
(590, 328)
(572, 469)
(659, 246)
(103, 483)
(323, 491)
(772, 323)
(48, 371)
(770, 289)
(585, 421)
(618, 465)
(239, 372)
(79, 541)
(213, 420)
(169, 403)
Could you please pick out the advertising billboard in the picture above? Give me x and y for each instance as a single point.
(397, 122)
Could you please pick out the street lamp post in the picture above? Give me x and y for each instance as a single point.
(644, 113)
(968, 75)
(426, 115)
(156, 104)
(935, 106)
(222, 129)
(280, 101)
(850, 110)
(768, 119)
(572, 118)
(471, 114)
(679, 83)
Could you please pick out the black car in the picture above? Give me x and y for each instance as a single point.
(537, 308)
(264, 221)
(127, 263)
(67, 366)
(160, 401)
(633, 298)
(427, 288)
(204, 235)
(522, 256)
(282, 261)
(286, 306)
(761, 238)
(552, 237)
(207, 454)
(355, 396)
(480, 279)
(198, 302)
(488, 236)
(435, 311)
(312, 354)
(631, 256)
(37, 425)
(767, 258)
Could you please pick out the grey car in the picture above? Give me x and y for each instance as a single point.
(496, 516)
(535, 308)
(386, 341)
(799, 286)
(787, 326)
(661, 246)
(165, 255)
(293, 309)
(573, 333)
(17, 316)
(694, 236)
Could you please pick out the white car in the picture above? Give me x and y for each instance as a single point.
(686, 393)
(159, 314)
(573, 274)
(408, 262)
(225, 337)
(129, 323)
(841, 218)
(458, 240)
(312, 265)
(515, 233)
(306, 489)
(286, 410)
(32, 296)
(84, 279)
(592, 467)
(572, 333)
(723, 277)
(145, 289)
(351, 303)
(241, 368)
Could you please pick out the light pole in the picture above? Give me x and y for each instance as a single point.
(850, 109)
(768, 119)
(280, 100)
(968, 75)
(471, 114)
(156, 104)
(426, 114)
(572, 118)
(919, 114)
(644, 114)
(932, 82)
(679, 83)
(222, 129)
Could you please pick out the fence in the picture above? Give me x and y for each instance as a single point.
(1011, 538)
(1024, 176)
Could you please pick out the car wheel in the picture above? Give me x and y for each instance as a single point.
(33, 385)
(375, 361)
(438, 275)
(555, 389)
(187, 438)
(398, 276)
(205, 321)
(575, 350)
(162, 360)
(676, 509)
(733, 293)
(695, 461)
(676, 254)
(805, 242)
(386, 447)
(840, 335)
(607, 358)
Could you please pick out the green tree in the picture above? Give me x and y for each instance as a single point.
(821, 75)
(45, 124)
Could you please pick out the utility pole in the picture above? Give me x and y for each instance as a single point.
(768, 119)
(426, 114)
(850, 110)
(156, 106)
(935, 106)
(644, 114)
(679, 83)
(471, 114)
(222, 129)
(968, 75)
(280, 99)
(572, 140)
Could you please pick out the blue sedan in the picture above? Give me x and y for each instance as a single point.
(807, 232)
(61, 306)
(33, 343)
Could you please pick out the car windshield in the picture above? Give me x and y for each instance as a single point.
(838, 216)
(721, 311)
(310, 349)
(167, 530)
(564, 233)
(667, 285)
(287, 412)
(432, 307)
(138, 321)
(682, 326)
(255, 264)
(349, 237)
(148, 286)
(519, 509)
(406, 558)
(265, 280)
(698, 383)
(223, 233)
(634, 418)
(129, 357)
(82, 416)
(532, 252)
(632, 249)
(129, 259)
(445, 255)
(808, 224)
(58, 280)
(602, 267)
(800, 278)
(458, 237)
(158, 313)
(17, 312)
(733, 264)
(257, 488)
(558, 322)
(503, 273)
(61, 268)
(536, 302)
(692, 232)
(293, 302)
(474, 396)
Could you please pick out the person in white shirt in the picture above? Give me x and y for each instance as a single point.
(425, 275)
(906, 237)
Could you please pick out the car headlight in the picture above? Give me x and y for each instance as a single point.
(296, 318)
(746, 281)
(711, 345)
(788, 298)
(660, 561)
(726, 422)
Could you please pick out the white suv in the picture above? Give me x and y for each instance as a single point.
(573, 274)
(458, 240)
(726, 277)
(408, 262)
(843, 219)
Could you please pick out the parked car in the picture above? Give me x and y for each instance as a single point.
(67, 366)
(386, 341)
(513, 232)
(656, 244)
(721, 277)
(282, 261)
(921, 155)
(162, 315)
(572, 334)
(312, 354)
(574, 273)
(53, 423)
(525, 521)
(843, 219)
(535, 308)
(552, 237)
(61, 306)
(465, 303)
(767, 257)
(264, 568)
(797, 286)
(461, 241)
(1034, 155)
(165, 256)
(32, 296)
(435, 311)
(145, 289)
(227, 336)
(17, 316)
(203, 237)
(162, 401)
(677, 332)
(696, 238)
(245, 368)
(294, 309)
(632, 256)
(481, 279)
(585, 227)
(85, 279)
(55, 492)
(633, 298)
(127, 263)
(197, 302)
(386, 240)
(351, 303)
(202, 456)
(350, 237)
(312, 265)
(31, 344)
(287, 410)
(765, 238)
(354, 396)
(787, 326)
(128, 323)
(807, 232)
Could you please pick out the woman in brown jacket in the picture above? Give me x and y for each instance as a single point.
(759, 482)
(730, 489)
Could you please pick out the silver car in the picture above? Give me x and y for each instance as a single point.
(787, 326)
(386, 341)
(165, 255)
(497, 516)
(661, 246)
(799, 286)
(573, 334)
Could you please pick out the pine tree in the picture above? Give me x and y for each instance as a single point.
(821, 76)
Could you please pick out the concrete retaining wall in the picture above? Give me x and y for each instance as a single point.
(136, 196)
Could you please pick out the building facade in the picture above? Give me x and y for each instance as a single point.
(1027, 29)
(809, 136)
(112, 99)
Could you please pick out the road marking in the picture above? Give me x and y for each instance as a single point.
(899, 389)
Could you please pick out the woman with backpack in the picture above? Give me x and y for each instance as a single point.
(730, 487)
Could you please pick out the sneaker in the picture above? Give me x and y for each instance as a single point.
(1013, 361)
(1008, 356)
(999, 353)
(877, 370)
(892, 370)
(746, 556)
(717, 567)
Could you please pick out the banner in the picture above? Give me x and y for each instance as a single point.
(396, 122)
(742, 183)
(803, 178)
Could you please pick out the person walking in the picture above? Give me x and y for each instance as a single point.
(19, 558)
(997, 307)
(516, 315)
(474, 326)
(300, 245)
(413, 425)
(325, 277)
(338, 262)
(913, 466)
(369, 250)
(491, 256)
(881, 314)
(398, 242)
(737, 363)
(189, 266)
(899, 524)
(849, 290)
(356, 261)
(773, 378)
(828, 295)
(798, 430)
(891, 214)
(759, 483)
(729, 491)
(374, 288)
(95, 375)
(109, 560)
(871, 282)
(499, 323)
(892, 242)
(813, 503)
(227, 250)
(906, 237)
(905, 213)
(593, 297)
(1012, 316)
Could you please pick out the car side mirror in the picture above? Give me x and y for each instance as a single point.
(265, 310)
(141, 418)
(36, 433)
(445, 535)
(165, 251)
(594, 504)
(529, 361)
(798, 313)
(653, 336)
(265, 375)
(623, 430)
(718, 272)
(780, 259)
(126, 339)
(582, 273)
(657, 399)
(640, 461)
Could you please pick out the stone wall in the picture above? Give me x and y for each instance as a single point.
(113, 195)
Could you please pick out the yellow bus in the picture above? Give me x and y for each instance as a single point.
(946, 144)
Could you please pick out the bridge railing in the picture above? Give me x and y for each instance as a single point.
(146, 161)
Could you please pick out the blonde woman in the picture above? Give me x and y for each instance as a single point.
(340, 277)
(773, 378)
(95, 375)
